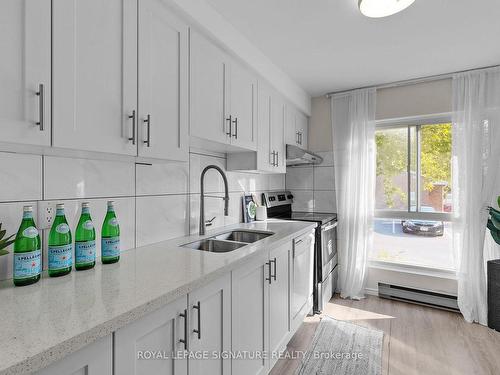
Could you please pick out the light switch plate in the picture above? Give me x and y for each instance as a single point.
(46, 214)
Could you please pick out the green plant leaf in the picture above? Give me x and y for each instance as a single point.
(3, 252)
(6, 243)
(2, 233)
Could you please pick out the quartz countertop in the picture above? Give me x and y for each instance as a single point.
(44, 322)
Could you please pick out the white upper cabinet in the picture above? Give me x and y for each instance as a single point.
(223, 97)
(265, 154)
(296, 127)
(25, 71)
(94, 74)
(278, 132)
(207, 90)
(163, 83)
(241, 105)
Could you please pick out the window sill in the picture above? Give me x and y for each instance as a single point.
(414, 269)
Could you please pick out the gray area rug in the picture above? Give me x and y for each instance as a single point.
(342, 348)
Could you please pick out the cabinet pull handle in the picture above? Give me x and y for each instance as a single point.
(235, 122)
(277, 158)
(40, 93)
(272, 158)
(298, 241)
(297, 137)
(300, 138)
(147, 121)
(269, 272)
(132, 116)
(274, 262)
(184, 340)
(198, 331)
(230, 120)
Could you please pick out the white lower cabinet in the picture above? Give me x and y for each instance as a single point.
(279, 301)
(301, 277)
(250, 317)
(94, 359)
(159, 332)
(201, 324)
(210, 328)
(237, 324)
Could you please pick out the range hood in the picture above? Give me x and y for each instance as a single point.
(297, 156)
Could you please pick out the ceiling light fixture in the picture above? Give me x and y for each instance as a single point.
(382, 8)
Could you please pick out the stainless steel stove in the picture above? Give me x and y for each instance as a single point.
(279, 205)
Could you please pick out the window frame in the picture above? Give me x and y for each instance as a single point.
(408, 122)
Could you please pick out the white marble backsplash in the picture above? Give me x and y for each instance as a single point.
(313, 187)
(153, 202)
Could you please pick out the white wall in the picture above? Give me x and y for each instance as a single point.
(403, 101)
(153, 202)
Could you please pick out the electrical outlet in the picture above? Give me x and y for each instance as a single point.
(46, 214)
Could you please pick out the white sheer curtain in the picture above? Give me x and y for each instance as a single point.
(476, 166)
(353, 126)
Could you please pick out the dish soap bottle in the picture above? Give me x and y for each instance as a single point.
(27, 251)
(85, 240)
(110, 237)
(60, 245)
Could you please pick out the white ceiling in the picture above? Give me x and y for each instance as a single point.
(327, 45)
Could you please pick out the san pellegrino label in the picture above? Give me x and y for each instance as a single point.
(60, 252)
(27, 251)
(110, 239)
(85, 246)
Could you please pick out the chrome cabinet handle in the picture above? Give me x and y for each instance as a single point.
(300, 138)
(235, 122)
(272, 158)
(132, 116)
(198, 331)
(40, 93)
(230, 120)
(274, 262)
(147, 121)
(268, 264)
(277, 158)
(184, 340)
(297, 137)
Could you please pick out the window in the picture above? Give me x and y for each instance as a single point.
(413, 193)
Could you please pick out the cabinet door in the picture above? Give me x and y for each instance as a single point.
(160, 331)
(94, 359)
(24, 66)
(94, 74)
(206, 106)
(301, 124)
(301, 275)
(250, 316)
(163, 82)
(264, 152)
(279, 300)
(210, 327)
(241, 105)
(278, 132)
(291, 136)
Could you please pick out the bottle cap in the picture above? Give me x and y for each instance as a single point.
(110, 203)
(27, 208)
(60, 206)
(85, 204)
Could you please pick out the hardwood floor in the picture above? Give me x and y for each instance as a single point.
(418, 340)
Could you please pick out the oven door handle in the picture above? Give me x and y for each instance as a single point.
(329, 227)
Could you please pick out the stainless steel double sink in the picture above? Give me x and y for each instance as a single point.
(228, 241)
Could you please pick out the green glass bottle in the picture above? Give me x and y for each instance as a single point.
(27, 251)
(85, 240)
(110, 237)
(60, 245)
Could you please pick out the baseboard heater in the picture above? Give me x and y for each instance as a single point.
(417, 296)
